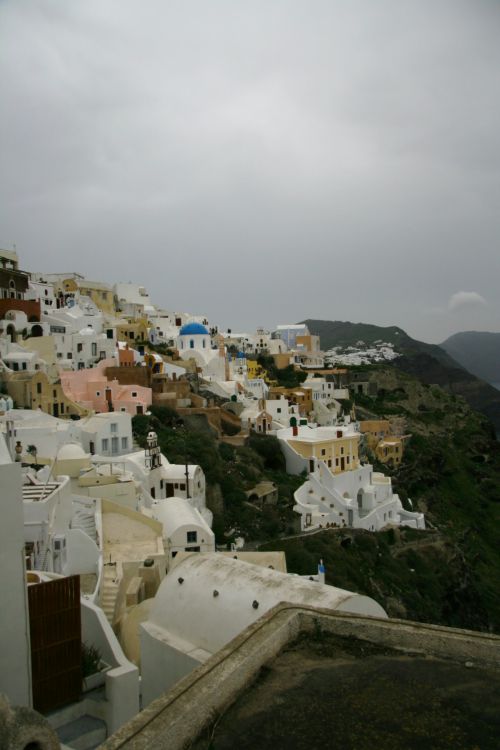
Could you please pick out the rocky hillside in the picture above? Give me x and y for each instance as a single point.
(451, 470)
(427, 362)
(477, 351)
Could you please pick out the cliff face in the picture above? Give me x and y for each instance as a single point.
(480, 396)
(477, 351)
(427, 362)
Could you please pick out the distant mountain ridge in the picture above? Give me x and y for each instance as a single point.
(477, 351)
(428, 362)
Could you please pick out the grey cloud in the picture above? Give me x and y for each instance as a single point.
(259, 162)
(465, 299)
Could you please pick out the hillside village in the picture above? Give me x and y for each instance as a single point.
(98, 384)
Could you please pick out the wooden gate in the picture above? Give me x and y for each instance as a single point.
(56, 642)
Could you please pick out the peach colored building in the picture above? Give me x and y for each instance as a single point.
(92, 389)
(126, 357)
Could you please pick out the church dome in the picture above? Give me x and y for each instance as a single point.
(193, 329)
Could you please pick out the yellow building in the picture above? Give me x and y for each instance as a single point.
(255, 370)
(132, 331)
(390, 451)
(36, 391)
(308, 343)
(336, 447)
(301, 397)
(100, 294)
(387, 447)
(374, 430)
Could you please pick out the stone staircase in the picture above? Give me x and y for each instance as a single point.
(109, 591)
(84, 519)
(80, 726)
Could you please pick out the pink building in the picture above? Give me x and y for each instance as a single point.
(92, 389)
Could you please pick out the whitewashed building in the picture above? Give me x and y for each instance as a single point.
(15, 667)
(340, 491)
(208, 599)
(184, 528)
(194, 342)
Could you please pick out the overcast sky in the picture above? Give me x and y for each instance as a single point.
(260, 161)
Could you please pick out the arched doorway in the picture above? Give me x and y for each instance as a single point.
(11, 331)
(37, 330)
(360, 498)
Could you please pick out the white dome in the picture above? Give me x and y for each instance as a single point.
(185, 604)
(71, 451)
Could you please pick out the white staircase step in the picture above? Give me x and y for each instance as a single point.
(83, 733)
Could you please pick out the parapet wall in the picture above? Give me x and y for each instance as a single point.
(176, 718)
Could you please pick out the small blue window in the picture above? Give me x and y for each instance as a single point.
(191, 344)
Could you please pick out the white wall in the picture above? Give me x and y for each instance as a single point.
(209, 598)
(15, 663)
(164, 662)
(122, 681)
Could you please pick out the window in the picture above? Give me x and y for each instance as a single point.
(191, 344)
(94, 349)
(134, 394)
(105, 445)
(79, 348)
(114, 427)
(98, 393)
(182, 486)
(23, 365)
(54, 394)
(279, 410)
(38, 387)
(69, 355)
(323, 452)
(125, 444)
(114, 445)
(192, 537)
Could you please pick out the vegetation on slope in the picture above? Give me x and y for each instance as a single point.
(477, 351)
(451, 470)
(230, 472)
(427, 362)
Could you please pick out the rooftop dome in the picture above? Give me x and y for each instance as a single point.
(193, 329)
(70, 451)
